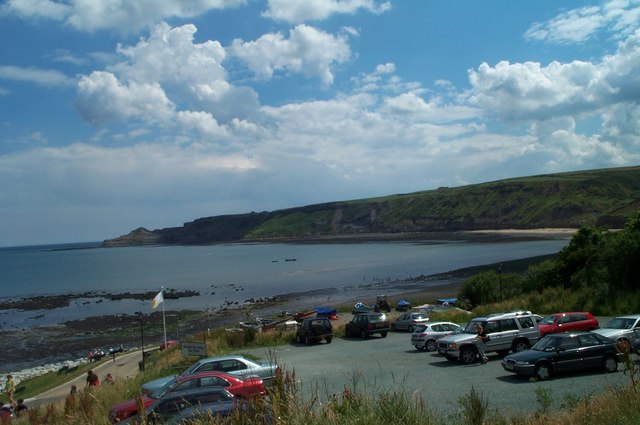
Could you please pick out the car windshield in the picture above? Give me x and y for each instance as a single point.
(548, 343)
(163, 389)
(471, 328)
(548, 320)
(620, 323)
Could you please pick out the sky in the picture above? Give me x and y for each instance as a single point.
(119, 114)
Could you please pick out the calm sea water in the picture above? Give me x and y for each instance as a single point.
(227, 273)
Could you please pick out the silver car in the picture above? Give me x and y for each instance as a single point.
(238, 366)
(409, 321)
(424, 337)
(621, 328)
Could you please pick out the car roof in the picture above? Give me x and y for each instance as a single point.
(568, 312)
(205, 374)
(221, 358)
(629, 316)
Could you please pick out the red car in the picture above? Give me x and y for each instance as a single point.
(567, 322)
(250, 387)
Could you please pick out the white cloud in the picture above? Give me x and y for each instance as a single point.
(296, 11)
(43, 77)
(579, 25)
(164, 74)
(103, 99)
(532, 91)
(122, 15)
(308, 51)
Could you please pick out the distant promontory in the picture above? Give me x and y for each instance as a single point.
(605, 197)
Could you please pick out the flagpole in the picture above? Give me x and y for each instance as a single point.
(164, 321)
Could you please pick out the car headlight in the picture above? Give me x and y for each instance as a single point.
(453, 345)
(522, 363)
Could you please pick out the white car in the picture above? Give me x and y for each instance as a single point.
(409, 321)
(425, 336)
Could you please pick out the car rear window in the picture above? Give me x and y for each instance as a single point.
(377, 318)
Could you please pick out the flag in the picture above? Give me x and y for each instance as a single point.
(157, 300)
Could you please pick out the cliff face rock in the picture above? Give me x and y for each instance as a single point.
(139, 236)
(600, 197)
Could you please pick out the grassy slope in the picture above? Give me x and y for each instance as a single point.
(606, 197)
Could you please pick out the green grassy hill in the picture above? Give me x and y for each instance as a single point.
(605, 197)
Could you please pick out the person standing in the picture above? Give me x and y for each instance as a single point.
(10, 389)
(482, 341)
(70, 401)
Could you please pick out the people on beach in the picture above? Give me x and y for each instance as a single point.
(10, 389)
(70, 401)
(482, 340)
(92, 379)
(20, 407)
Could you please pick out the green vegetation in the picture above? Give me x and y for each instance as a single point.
(605, 197)
(598, 271)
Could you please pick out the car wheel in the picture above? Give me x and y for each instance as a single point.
(363, 334)
(468, 355)
(520, 345)
(420, 348)
(328, 340)
(384, 334)
(410, 329)
(393, 328)
(543, 371)
(298, 339)
(610, 364)
(430, 345)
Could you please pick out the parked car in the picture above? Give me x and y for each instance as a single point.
(367, 324)
(620, 328)
(567, 322)
(96, 354)
(238, 366)
(251, 387)
(564, 352)
(409, 321)
(165, 409)
(424, 337)
(514, 331)
(314, 330)
(170, 343)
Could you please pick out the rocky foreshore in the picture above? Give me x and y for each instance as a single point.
(47, 302)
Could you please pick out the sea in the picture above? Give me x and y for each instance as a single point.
(230, 274)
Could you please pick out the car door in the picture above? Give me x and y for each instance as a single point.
(501, 334)
(568, 356)
(591, 351)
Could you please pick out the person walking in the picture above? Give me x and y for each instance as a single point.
(10, 389)
(482, 341)
(92, 379)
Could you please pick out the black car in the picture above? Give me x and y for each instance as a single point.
(314, 330)
(565, 352)
(366, 324)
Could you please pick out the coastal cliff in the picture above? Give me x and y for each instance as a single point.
(606, 197)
